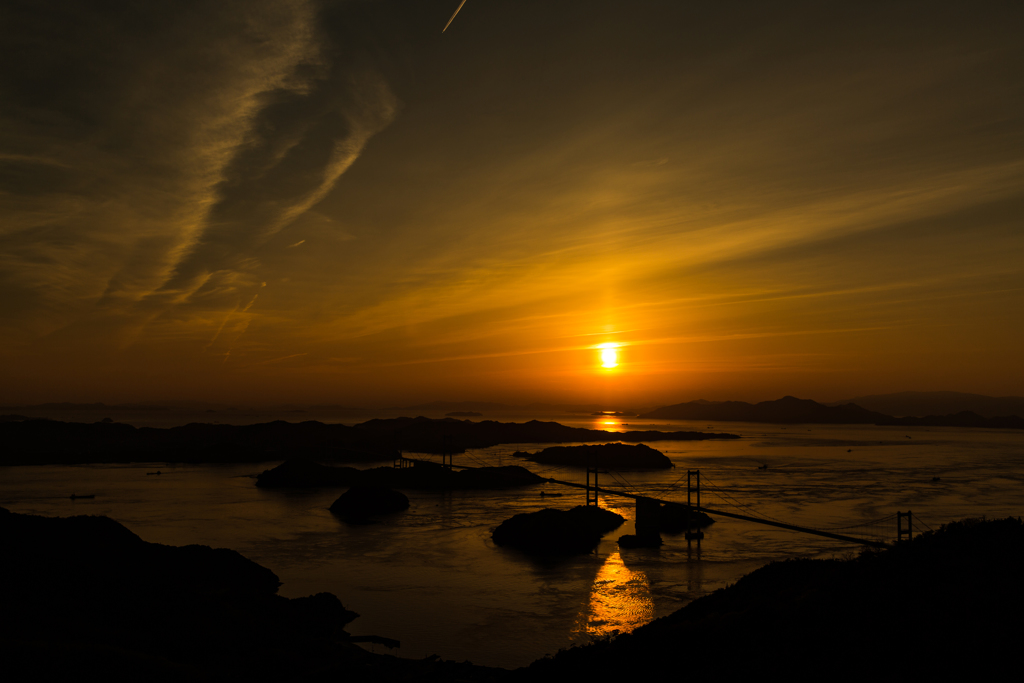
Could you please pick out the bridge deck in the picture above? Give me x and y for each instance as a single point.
(702, 508)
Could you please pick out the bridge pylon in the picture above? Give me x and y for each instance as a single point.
(692, 487)
(447, 451)
(592, 490)
(900, 531)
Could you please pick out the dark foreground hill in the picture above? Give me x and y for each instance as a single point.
(83, 597)
(36, 442)
(946, 604)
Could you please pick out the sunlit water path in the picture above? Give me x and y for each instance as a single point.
(432, 578)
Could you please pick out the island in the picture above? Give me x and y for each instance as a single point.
(557, 532)
(618, 456)
(42, 442)
(361, 503)
(422, 475)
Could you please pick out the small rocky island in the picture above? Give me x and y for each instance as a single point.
(557, 532)
(361, 503)
(618, 456)
(301, 473)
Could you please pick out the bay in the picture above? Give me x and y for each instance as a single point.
(432, 578)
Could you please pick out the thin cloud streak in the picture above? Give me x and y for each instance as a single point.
(452, 18)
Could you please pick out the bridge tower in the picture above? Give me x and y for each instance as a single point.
(648, 520)
(692, 487)
(446, 451)
(900, 531)
(592, 492)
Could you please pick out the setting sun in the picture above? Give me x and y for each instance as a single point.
(609, 356)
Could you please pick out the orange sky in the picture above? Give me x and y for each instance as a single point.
(266, 202)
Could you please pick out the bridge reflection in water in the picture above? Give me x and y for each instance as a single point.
(620, 601)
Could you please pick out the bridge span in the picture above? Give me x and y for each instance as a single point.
(593, 490)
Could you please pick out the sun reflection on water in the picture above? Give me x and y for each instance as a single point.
(620, 601)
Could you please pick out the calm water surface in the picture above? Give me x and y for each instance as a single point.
(432, 578)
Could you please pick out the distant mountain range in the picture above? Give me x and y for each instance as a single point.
(923, 408)
(938, 403)
(84, 406)
(784, 410)
(790, 410)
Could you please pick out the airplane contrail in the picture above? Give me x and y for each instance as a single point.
(453, 16)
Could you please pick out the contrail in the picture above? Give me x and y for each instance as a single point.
(453, 16)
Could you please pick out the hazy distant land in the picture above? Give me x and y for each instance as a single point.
(920, 403)
(790, 410)
(786, 409)
(37, 441)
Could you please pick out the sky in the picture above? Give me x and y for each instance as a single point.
(268, 201)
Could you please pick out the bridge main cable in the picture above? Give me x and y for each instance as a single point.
(720, 513)
(733, 515)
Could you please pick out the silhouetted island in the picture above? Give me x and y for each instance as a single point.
(449, 435)
(616, 455)
(554, 532)
(361, 503)
(38, 442)
(301, 474)
(674, 517)
(917, 403)
(962, 419)
(790, 410)
(786, 410)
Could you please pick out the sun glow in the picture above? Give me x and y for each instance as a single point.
(609, 355)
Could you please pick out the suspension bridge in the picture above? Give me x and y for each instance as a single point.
(649, 506)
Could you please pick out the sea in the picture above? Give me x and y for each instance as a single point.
(433, 579)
